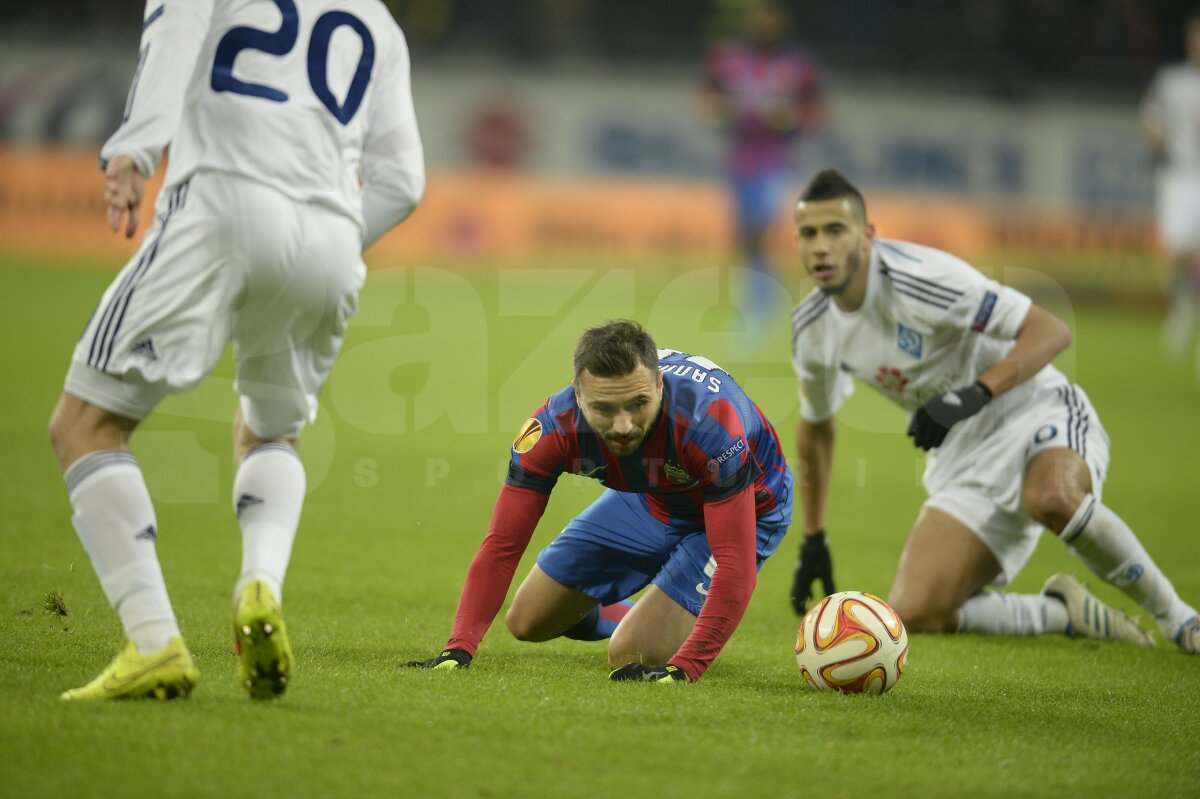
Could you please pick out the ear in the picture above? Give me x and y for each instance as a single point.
(870, 231)
(660, 380)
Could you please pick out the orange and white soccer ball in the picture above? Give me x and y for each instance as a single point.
(851, 642)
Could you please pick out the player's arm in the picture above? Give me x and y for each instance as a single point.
(172, 35)
(532, 473)
(393, 163)
(1041, 337)
(730, 527)
(815, 442)
(987, 308)
(489, 577)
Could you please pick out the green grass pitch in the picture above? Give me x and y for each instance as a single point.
(439, 370)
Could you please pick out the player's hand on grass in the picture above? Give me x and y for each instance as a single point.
(933, 420)
(814, 563)
(448, 659)
(124, 188)
(640, 672)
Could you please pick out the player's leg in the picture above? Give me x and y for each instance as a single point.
(115, 520)
(1058, 493)
(653, 630)
(944, 563)
(1182, 304)
(1179, 231)
(302, 274)
(580, 584)
(544, 608)
(137, 348)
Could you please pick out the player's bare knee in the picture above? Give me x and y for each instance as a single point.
(1052, 505)
(924, 617)
(523, 626)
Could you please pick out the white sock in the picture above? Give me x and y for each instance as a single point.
(115, 521)
(998, 613)
(268, 493)
(1109, 548)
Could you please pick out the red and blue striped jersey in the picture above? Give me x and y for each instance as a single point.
(761, 88)
(709, 442)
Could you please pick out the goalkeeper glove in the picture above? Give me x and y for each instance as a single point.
(933, 420)
(448, 659)
(640, 672)
(813, 564)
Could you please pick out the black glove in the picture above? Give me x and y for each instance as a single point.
(449, 659)
(933, 420)
(643, 673)
(813, 564)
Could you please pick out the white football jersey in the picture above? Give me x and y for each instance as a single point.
(930, 322)
(311, 97)
(1173, 105)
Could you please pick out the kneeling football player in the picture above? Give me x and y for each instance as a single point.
(699, 495)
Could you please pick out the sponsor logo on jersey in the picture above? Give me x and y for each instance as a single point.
(890, 379)
(530, 432)
(910, 341)
(147, 534)
(676, 474)
(985, 312)
(714, 464)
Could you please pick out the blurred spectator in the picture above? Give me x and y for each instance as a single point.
(765, 92)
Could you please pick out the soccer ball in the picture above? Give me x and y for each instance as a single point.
(851, 642)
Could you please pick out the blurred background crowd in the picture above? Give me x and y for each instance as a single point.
(1004, 46)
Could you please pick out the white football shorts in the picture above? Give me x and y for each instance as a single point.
(1178, 204)
(227, 258)
(977, 477)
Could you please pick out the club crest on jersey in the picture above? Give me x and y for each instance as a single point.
(676, 475)
(530, 432)
(909, 340)
(891, 379)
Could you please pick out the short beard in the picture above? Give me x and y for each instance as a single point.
(853, 262)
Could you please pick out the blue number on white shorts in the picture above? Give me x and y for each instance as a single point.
(281, 42)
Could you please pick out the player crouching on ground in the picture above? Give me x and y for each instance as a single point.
(699, 496)
(1013, 445)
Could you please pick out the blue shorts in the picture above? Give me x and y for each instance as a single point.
(615, 548)
(760, 198)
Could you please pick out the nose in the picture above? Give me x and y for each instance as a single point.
(623, 424)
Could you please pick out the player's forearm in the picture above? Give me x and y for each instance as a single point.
(1041, 338)
(513, 521)
(172, 36)
(731, 531)
(814, 446)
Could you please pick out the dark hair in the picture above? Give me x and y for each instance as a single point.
(829, 184)
(615, 349)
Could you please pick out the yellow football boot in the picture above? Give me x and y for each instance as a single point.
(167, 674)
(264, 654)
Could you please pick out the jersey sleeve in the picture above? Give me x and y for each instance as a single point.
(538, 454)
(719, 449)
(822, 385)
(946, 292)
(514, 519)
(730, 528)
(393, 162)
(172, 35)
